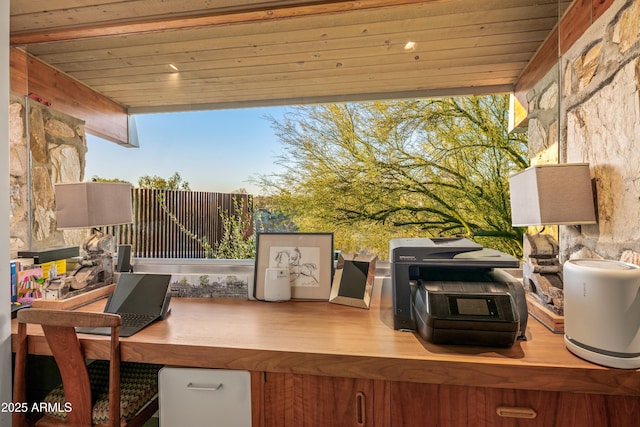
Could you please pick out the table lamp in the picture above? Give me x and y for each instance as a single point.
(559, 194)
(89, 205)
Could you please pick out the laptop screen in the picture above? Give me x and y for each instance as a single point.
(139, 293)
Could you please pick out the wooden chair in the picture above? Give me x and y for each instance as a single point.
(92, 393)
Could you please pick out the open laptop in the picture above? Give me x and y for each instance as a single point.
(139, 298)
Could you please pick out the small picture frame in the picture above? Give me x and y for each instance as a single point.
(353, 280)
(307, 256)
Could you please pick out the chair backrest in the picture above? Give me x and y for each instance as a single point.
(59, 330)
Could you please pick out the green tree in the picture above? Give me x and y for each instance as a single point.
(373, 171)
(174, 182)
(268, 218)
(96, 178)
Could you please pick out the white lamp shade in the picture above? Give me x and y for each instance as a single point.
(552, 195)
(92, 204)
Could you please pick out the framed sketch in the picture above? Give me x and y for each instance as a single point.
(308, 257)
(353, 280)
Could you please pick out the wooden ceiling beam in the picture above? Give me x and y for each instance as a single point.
(103, 117)
(188, 22)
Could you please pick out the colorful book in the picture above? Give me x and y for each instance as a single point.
(13, 266)
(30, 283)
(54, 268)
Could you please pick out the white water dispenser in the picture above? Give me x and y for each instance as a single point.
(602, 311)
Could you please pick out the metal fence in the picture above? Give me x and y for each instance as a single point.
(168, 224)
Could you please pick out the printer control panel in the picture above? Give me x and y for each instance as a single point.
(463, 306)
(496, 307)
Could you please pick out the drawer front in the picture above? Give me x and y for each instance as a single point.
(204, 397)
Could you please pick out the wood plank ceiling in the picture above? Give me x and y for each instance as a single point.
(156, 55)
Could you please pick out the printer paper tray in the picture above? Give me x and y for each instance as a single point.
(467, 337)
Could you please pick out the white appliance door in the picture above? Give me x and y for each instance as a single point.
(204, 397)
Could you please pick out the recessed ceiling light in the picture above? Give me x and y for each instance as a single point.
(409, 46)
(173, 67)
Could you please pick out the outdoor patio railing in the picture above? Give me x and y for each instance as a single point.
(154, 234)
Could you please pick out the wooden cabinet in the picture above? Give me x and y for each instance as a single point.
(315, 401)
(418, 405)
(595, 410)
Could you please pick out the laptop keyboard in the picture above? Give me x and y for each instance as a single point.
(134, 319)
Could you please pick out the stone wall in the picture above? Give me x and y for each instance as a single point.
(51, 151)
(543, 118)
(597, 85)
(600, 107)
(543, 139)
(19, 177)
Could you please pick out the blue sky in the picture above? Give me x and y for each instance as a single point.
(215, 151)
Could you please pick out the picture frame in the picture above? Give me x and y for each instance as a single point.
(307, 256)
(353, 280)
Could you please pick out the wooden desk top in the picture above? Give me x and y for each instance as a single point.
(320, 338)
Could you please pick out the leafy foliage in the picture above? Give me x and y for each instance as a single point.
(370, 172)
(269, 219)
(174, 182)
(238, 240)
(96, 178)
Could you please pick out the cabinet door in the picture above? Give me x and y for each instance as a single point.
(596, 410)
(421, 405)
(314, 401)
(194, 397)
(418, 405)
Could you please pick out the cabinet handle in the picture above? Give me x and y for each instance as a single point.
(212, 387)
(516, 412)
(361, 417)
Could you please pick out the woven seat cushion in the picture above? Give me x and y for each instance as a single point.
(138, 385)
